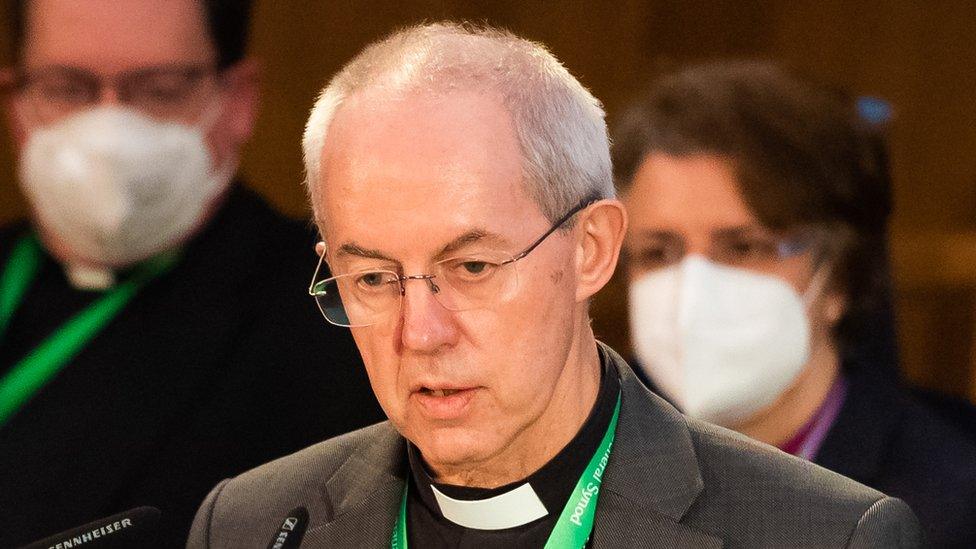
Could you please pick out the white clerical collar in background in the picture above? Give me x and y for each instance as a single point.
(515, 508)
(84, 277)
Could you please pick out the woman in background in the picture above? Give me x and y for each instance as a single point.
(758, 280)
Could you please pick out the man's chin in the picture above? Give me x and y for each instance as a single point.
(455, 448)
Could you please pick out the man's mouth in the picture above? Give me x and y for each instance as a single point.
(444, 403)
(439, 392)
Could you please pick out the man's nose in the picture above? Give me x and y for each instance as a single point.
(108, 95)
(697, 246)
(426, 325)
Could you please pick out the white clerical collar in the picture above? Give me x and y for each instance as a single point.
(85, 277)
(513, 508)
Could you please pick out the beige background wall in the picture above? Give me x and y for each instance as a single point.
(921, 56)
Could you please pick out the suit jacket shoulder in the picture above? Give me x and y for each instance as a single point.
(329, 479)
(754, 495)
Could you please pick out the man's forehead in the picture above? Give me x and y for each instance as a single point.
(419, 149)
(450, 227)
(111, 35)
(408, 174)
(399, 233)
(377, 113)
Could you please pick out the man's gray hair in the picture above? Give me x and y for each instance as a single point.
(559, 124)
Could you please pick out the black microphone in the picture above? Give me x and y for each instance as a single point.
(124, 530)
(289, 535)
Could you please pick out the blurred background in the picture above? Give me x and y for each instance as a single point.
(919, 56)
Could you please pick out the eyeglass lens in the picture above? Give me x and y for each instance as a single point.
(361, 299)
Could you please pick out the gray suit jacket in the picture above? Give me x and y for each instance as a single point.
(671, 482)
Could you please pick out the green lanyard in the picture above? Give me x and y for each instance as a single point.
(575, 523)
(28, 376)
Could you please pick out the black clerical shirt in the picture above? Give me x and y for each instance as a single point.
(553, 483)
(207, 372)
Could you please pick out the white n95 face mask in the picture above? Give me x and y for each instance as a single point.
(722, 343)
(118, 187)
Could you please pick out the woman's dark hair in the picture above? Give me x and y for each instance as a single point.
(228, 21)
(802, 155)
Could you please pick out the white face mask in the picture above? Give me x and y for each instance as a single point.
(117, 187)
(722, 343)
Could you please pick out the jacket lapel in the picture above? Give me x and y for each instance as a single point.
(364, 494)
(652, 479)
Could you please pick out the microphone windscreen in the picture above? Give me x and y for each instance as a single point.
(128, 529)
(289, 535)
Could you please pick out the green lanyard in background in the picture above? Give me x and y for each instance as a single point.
(35, 370)
(575, 523)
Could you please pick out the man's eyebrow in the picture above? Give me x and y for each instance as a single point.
(355, 249)
(470, 237)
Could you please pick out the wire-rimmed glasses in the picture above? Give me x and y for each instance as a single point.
(752, 249)
(466, 282)
(165, 92)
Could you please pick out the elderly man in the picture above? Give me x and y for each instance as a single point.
(461, 181)
(148, 328)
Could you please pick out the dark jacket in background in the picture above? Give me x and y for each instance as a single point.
(914, 444)
(885, 439)
(956, 410)
(889, 441)
(217, 366)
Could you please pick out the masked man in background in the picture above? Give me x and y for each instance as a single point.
(151, 341)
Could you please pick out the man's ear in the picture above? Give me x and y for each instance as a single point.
(601, 229)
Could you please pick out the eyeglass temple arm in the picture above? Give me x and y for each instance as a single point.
(315, 275)
(590, 199)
